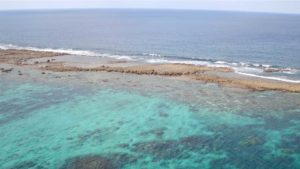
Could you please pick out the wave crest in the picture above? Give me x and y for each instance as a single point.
(66, 51)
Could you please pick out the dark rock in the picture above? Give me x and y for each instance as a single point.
(7, 70)
(271, 70)
(88, 162)
(20, 73)
(163, 114)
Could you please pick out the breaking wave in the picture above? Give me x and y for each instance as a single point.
(65, 51)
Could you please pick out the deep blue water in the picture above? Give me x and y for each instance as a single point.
(261, 38)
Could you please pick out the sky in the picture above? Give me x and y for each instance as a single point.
(274, 6)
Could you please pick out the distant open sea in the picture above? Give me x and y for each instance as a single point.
(249, 42)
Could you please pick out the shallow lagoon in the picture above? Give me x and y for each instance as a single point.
(144, 122)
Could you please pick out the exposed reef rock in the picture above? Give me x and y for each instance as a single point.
(6, 70)
(191, 72)
(219, 75)
(251, 83)
(13, 56)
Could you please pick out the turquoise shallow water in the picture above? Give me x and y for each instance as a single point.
(44, 125)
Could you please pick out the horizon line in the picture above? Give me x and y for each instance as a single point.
(183, 9)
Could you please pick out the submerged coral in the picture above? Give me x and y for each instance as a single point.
(88, 162)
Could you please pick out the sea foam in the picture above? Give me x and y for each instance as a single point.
(269, 77)
(66, 51)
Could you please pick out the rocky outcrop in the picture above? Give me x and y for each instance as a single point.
(219, 75)
(13, 56)
(253, 83)
(192, 72)
(161, 69)
(6, 70)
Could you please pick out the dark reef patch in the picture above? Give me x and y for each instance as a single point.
(197, 142)
(95, 134)
(168, 149)
(110, 161)
(290, 144)
(159, 132)
(89, 162)
(243, 147)
(163, 114)
(122, 159)
(175, 149)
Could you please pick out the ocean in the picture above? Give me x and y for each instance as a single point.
(72, 120)
(249, 42)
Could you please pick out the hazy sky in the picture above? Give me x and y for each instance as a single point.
(281, 6)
